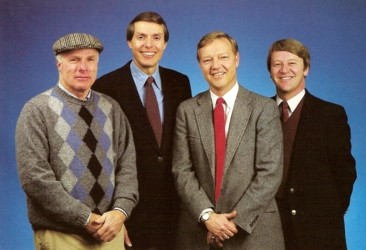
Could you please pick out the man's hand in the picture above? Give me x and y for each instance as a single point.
(93, 226)
(112, 223)
(214, 241)
(221, 226)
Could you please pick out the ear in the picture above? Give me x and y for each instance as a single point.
(306, 71)
(164, 46)
(58, 64)
(129, 44)
(237, 57)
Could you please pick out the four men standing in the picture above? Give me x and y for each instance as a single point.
(80, 156)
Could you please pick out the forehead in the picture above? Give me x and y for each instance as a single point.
(143, 27)
(284, 56)
(217, 46)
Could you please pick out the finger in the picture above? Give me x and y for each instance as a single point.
(219, 243)
(127, 238)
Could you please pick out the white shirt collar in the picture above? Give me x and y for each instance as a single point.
(293, 102)
(71, 94)
(229, 97)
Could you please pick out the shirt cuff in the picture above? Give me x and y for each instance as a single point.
(88, 220)
(121, 210)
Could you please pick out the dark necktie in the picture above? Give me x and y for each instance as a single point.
(285, 110)
(220, 145)
(152, 109)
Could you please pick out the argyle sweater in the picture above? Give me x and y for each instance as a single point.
(74, 157)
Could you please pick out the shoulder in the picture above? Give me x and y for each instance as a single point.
(324, 106)
(115, 74)
(172, 74)
(254, 99)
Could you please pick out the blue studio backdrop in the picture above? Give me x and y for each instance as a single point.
(333, 30)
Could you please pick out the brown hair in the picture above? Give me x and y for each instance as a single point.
(290, 45)
(210, 37)
(151, 17)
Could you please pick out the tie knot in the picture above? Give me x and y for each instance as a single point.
(284, 105)
(150, 80)
(220, 101)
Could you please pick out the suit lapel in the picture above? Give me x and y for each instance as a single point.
(238, 124)
(203, 114)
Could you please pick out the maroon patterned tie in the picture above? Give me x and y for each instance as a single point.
(220, 145)
(285, 114)
(152, 109)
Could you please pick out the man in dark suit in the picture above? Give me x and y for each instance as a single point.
(244, 154)
(319, 170)
(153, 222)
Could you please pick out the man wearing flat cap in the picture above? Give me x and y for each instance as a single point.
(76, 156)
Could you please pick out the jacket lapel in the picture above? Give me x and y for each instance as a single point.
(238, 123)
(203, 114)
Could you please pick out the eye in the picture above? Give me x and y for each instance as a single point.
(157, 38)
(206, 60)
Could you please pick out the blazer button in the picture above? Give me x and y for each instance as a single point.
(292, 190)
(293, 212)
(160, 159)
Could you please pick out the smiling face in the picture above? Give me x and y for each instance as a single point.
(78, 70)
(218, 64)
(147, 45)
(288, 73)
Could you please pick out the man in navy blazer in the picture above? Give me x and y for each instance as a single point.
(153, 223)
(319, 170)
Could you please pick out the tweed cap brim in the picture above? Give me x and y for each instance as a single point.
(77, 41)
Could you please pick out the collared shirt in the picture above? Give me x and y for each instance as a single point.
(69, 93)
(293, 102)
(140, 78)
(229, 98)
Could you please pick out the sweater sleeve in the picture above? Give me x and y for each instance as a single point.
(126, 189)
(45, 194)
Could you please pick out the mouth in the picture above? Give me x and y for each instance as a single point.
(82, 78)
(286, 78)
(218, 75)
(148, 54)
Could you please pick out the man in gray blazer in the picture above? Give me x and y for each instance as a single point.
(241, 213)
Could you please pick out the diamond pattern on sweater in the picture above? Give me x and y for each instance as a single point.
(86, 150)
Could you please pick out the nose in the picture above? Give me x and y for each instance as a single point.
(83, 66)
(284, 68)
(148, 42)
(215, 63)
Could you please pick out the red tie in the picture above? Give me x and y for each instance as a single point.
(285, 115)
(220, 145)
(152, 110)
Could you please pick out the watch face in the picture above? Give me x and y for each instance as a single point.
(205, 216)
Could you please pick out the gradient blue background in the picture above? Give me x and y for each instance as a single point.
(333, 30)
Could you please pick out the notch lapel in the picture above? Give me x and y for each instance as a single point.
(203, 114)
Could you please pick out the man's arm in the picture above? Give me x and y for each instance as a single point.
(37, 175)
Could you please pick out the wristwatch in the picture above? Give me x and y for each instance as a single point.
(205, 216)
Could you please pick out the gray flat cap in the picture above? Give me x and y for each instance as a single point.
(77, 41)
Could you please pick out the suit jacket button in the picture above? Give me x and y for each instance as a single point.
(292, 190)
(293, 212)
(160, 159)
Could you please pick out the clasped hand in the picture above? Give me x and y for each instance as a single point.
(220, 228)
(105, 227)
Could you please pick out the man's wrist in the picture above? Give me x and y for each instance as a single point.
(206, 212)
(121, 210)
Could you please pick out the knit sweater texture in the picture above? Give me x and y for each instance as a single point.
(74, 157)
